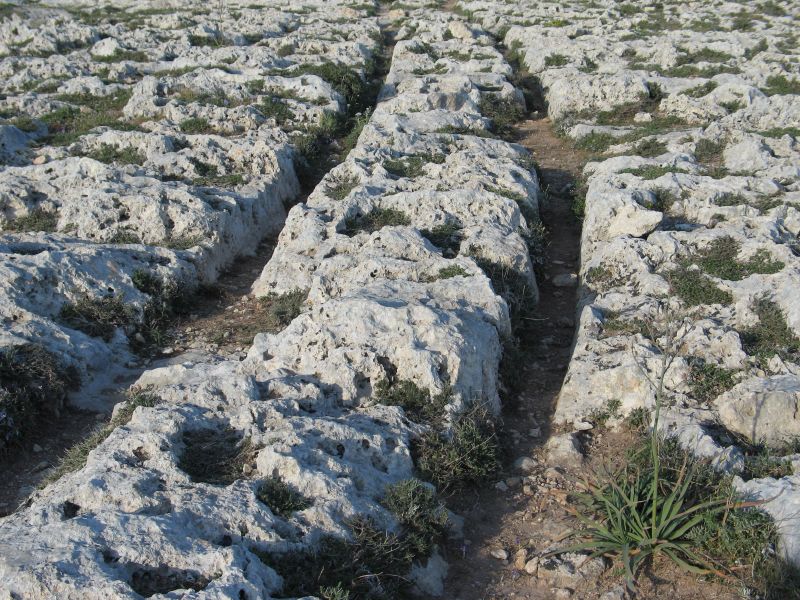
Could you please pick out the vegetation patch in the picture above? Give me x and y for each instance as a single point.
(68, 123)
(652, 171)
(421, 516)
(780, 84)
(694, 288)
(281, 498)
(771, 335)
(196, 126)
(448, 273)
(504, 112)
(596, 142)
(447, 236)
(97, 317)
(39, 219)
(373, 563)
(707, 380)
(418, 404)
(719, 259)
(615, 324)
(375, 220)
(216, 456)
(340, 186)
(281, 309)
(106, 153)
(411, 166)
(33, 383)
(466, 455)
(167, 301)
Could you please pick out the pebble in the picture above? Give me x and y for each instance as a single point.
(527, 490)
(520, 558)
(40, 160)
(532, 566)
(499, 554)
(501, 485)
(562, 593)
(535, 432)
(40, 466)
(37, 448)
(513, 482)
(565, 280)
(582, 426)
(525, 464)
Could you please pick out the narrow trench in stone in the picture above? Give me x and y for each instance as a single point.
(495, 516)
(224, 317)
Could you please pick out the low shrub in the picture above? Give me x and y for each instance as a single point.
(281, 309)
(97, 317)
(281, 498)
(418, 404)
(467, 455)
(375, 220)
(33, 383)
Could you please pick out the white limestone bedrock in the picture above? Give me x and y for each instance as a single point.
(302, 393)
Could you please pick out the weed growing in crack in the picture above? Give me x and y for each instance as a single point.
(281, 309)
(418, 404)
(39, 219)
(97, 317)
(375, 220)
(282, 499)
(467, 455)
(423, 518)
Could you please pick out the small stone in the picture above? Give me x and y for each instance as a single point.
(501, 485)
(532, 566)
(564, 451)
(642, 117)
(139, 338)
(565, 280)
(552, 474)
(499, 554)
(39, 160)
(40, 466)
(618, 593)
(565, 322)
(535, 432)
(167, 351)
(37, 448)
(513, 482)
(582, 426)
(527, 490)
(520, 558)
(525, 464)
(562, 593)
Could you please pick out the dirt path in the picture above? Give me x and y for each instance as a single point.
(506, 518)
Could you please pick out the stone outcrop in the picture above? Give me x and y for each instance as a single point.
(395, 248)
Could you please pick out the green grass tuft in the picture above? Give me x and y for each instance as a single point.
(281, 498)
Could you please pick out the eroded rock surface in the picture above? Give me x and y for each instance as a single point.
(395, 249)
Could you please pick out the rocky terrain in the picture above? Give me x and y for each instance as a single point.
(146, 148)
(689, 246)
